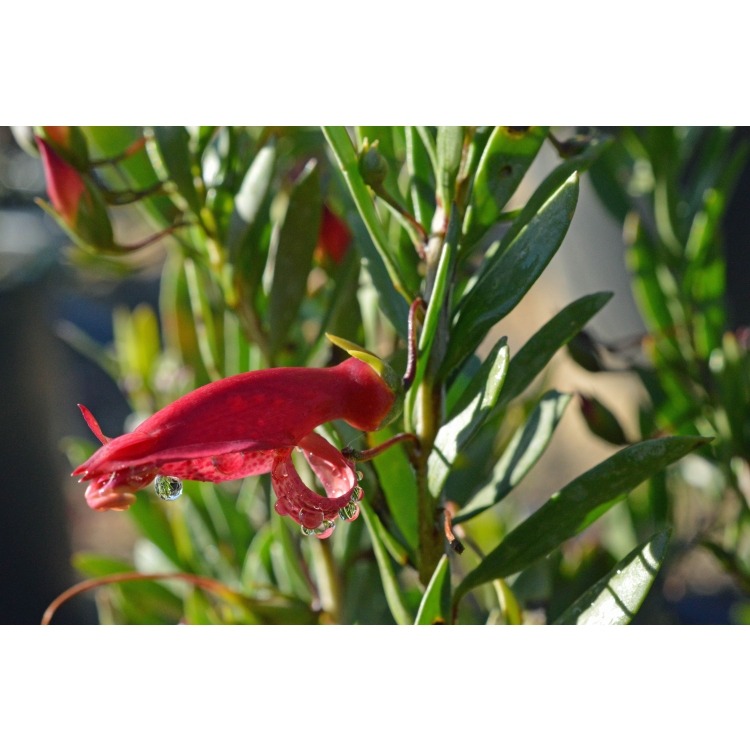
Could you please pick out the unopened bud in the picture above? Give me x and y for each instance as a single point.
(372, 165)
(70, 143)
(78, 205)
(601, 421)
(334, 237)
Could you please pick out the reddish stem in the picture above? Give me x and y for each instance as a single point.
(411, 361)
(371, 453)
(205, 583)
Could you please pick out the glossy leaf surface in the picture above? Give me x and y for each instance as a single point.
(505, 160)
(534, 356)
(470, 412)
(436, 602)
(525, 448)
(616, 598)
(503, 284)
(576, 506)
(391, 588)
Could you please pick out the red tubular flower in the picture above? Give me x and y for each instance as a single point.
(334, 236)
(250, 424)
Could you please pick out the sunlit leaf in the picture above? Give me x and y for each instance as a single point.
(525, 448)
(616, 598)
(436, 602)
(503, 284)
(391, 587)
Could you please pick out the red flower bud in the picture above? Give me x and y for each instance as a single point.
(65, 186)
(79, 207)
(70, 143)
(334, 237)
(249, 424)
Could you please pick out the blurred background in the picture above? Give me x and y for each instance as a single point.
(44, 518)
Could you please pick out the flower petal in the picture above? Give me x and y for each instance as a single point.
(299, 502)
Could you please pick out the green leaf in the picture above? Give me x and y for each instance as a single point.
(252, 193)
(436, 602)
(174, 149)
(502, 284)
(133, 173)
(346, 158)
(298, 237)
(472, 409)
(436, 305)
(526, 447)
(505, 160)
(576, 506)
(291, 559)
(541, 347)
(448, 149)
(420, 173)
(615, 599)
(151, 519)
(149, 601)
(391, 302)
(398, 483)
(393, 594)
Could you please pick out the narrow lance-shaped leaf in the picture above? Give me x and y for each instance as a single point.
(251, 195)
(448, 149)
(422, 190)
(502, 285)
(174, 149)
(296, 244)
(576, 506)
(470, 412)
(346, 158)
(524, 450)
(392, 303)
(398, 483)
(550, 185)
(616, 598)
(505, 160)
(135, 172)
(434, 608)
(438, 296)
(534, 356)
(392, 591)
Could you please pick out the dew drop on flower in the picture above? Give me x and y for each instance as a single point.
(168, 488)
(228, 463)
(360, 476)
(311, 519)
(325, 529)
(306, 531)
(349, 512)
(357, 493)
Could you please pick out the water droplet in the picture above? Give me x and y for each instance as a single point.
(282, 471)
(281, 508)
(306, 531)
(325, 529)
(168, 488)
(360, 476)
(349, 512)
(310, 519)
(357, 493)
(228, 463)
